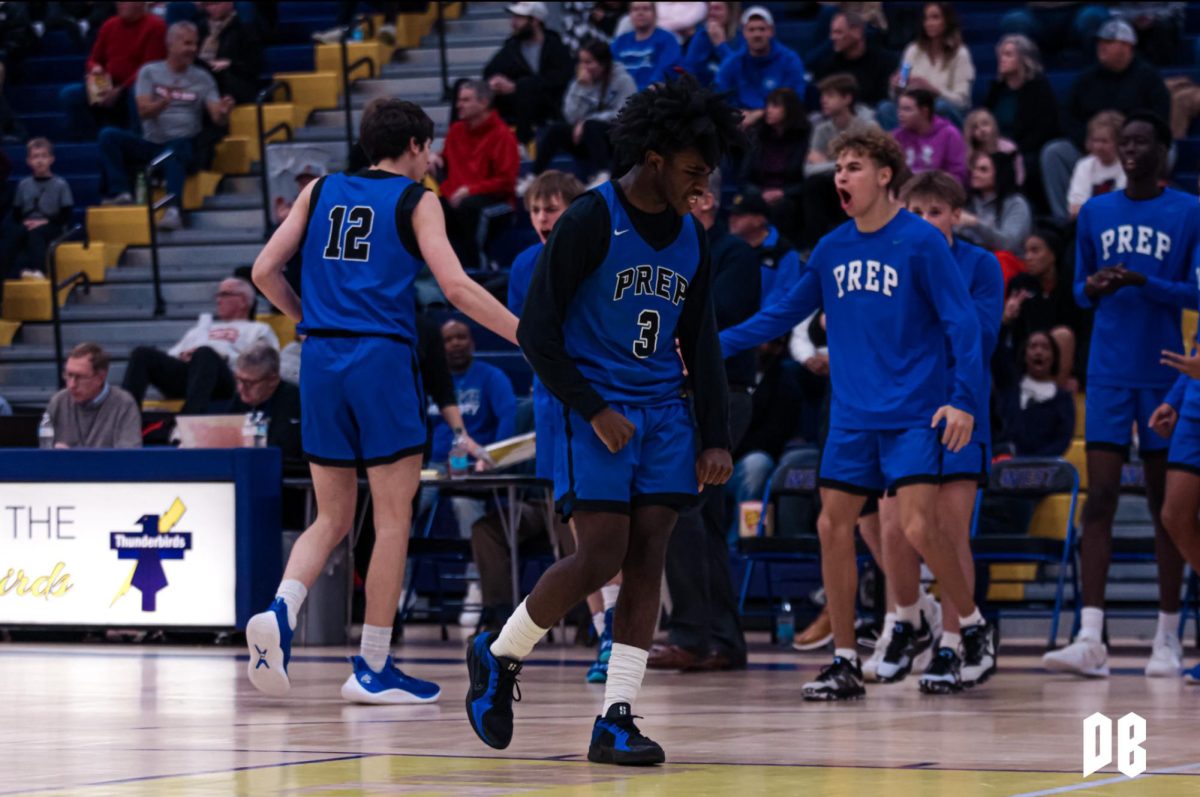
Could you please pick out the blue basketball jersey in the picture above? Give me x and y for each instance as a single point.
(357, 275)
(620, 326)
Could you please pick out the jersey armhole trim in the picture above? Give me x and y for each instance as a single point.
(313, 198)
(406, 232)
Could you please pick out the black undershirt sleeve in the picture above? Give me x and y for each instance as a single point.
(576, 248)
(701, 348)
(404, 214)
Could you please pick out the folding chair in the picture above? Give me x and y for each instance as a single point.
(1035, 478)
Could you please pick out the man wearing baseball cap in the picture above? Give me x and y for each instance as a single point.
(763, 66)
(530, 72)
(1119, 81)
(780, 265)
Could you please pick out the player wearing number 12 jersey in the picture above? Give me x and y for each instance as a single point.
(624, 275)
(363, 239)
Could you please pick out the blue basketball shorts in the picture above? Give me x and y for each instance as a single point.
(972, 462)
(361, 401)
(657, 467)
(1112, 412)
(1184, 453)
(872, 461)
(547, 427)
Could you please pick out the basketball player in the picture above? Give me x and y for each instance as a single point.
(1135, 261)
(623, 276)
(546, 199)
(363, 238)
(1179, 419)
(892, 295)
(939, 199)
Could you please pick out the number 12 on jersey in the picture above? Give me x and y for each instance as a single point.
(348, 233)
(647, 341)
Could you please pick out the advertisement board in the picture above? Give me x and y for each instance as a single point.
(118, 554)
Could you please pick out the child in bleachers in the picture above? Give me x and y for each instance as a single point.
(41, 210)
(982, 134)
(1099, 171)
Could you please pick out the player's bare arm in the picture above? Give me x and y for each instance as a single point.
(268, 267)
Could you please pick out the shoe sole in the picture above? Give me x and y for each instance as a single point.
(983, 679)
(830, 697)
(939, 688)
(608, 755)
(473, 665)
(353, 692)
(1062, 667)
(816, 645)
(900, 675)
(262, 633)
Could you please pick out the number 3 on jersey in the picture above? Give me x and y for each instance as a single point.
(647, 341)
(347, 241)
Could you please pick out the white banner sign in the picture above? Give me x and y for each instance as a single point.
(117, 554)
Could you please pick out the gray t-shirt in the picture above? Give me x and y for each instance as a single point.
(43, 198)
(187, 91)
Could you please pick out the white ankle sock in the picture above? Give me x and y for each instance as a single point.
(889, 620)
(375, 646)
(849, 654)
(950, 640)
(1091, 623)
(974, 618)
(598, 622)
(293, 594)
(909, 614)
(610, 592)
(626, 668)
(1168, 624)
(519, 635)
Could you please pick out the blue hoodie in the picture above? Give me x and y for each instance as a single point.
(751, 78)
(648, 61)
(488, 405)
(892, 300)
(704, 61)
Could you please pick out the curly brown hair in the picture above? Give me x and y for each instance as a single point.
(876, 145)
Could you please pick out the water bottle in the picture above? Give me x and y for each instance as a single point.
(460, 463)
(141, 193)
(249, 431)
(45, 432)
(260, 430)
(785, 625)
(905, 73)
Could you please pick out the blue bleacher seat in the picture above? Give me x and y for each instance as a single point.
(45, 69)
(288, 58)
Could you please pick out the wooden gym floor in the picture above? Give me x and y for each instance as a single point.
(123, 720)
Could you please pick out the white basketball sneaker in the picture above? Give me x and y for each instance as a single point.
(1085, 656)
(1166, 660)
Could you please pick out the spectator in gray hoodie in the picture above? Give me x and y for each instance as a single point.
(601, 86)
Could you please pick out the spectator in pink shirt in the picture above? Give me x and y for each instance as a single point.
(929, 141)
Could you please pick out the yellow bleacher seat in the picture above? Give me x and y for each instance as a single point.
(1080, 415)
(314, 89)
(329, 58)
(1190, 321)
(232, 155)
(163, 405)
(8, 330)
(119, 226)
(1077, 456)
(29, 300)
(1050, 518)
(243, 121)
(283, 327)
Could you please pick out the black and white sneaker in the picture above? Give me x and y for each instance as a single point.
(979, 643)
(906, 644)
(944, 674)
(842, 680)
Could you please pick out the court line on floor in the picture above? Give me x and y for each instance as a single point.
(440, 661)
(1179, 770)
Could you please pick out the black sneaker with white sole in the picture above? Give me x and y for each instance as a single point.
(944, 676)
(841, 680)
(979, 644)
(906, 644)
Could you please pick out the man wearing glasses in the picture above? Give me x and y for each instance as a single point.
(196, 368)
(260, 389)
(89, 412)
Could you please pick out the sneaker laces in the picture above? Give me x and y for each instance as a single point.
(507, 685)
(974, 642)
(943, 662)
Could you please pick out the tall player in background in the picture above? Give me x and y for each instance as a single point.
(363, 238)
(624, 275)
(546, 199)
(1135, 264)
(892, 296)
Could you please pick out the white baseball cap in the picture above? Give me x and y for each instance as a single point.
(535, 10)
(757, 11)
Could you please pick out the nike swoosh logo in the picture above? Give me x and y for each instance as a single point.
(617, 233)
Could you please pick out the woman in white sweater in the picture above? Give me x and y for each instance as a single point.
(938, 61)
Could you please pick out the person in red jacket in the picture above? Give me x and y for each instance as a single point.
(125, 42)
(480, 161)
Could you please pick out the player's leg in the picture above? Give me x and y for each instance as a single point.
(911, 634)
(1166, 657)
(375, 678)
(946, 672)
(615, 737)
(269, 633)
(1179, 514)
(870, 526)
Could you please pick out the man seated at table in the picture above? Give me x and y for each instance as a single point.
(196, 368)
(89, 412)
(261, 389)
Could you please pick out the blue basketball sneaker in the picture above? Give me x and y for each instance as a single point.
(1192, 676)
(617, 740)
(598, 672)
(387, 688)
(493, 681)
(269, 640)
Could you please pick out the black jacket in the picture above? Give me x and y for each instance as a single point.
(282, 411)
(753, 173)
(555, 71)
(1035, 122)
(737, 294)
(1138, 88)
(240, 43)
